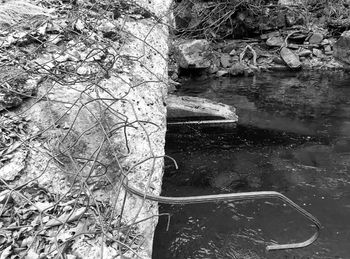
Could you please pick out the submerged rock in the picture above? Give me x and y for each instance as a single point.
(341, 49)
(186, 106)
(192, 54)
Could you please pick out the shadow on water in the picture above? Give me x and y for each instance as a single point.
(293, 137)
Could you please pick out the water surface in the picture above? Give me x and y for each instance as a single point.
(293, 137)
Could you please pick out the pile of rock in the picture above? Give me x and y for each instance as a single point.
(287, 50)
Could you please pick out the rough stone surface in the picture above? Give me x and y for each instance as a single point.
(221, 73)
(225, 60)
(317, 52)
(293, 46)
(305, 53)
(192, 54)
(187, 106)
(12, 169)
(316, 38)
(138, 92)
(237, 69)
(327, 48)
(275, 41)
(290, 58)
(289, 2)
(233, 52)
(341, 49)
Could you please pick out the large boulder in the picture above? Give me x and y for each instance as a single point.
(192, 54)
(341, 49)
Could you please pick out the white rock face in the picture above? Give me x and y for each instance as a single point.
(121, 118)
(192, 54)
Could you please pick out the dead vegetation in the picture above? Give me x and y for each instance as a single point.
(223, 19)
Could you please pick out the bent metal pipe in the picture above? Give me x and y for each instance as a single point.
(236, 197)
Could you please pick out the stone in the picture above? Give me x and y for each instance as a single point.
(269, 35)
(316, 38)
(317, 52)
(291, 59)
(225, 60)
(327, 48)
(192, 54)
(235, 58)
(135, 144)
(332, 41)
(221, 73)
(233, 52)
(325, 42)
(278, 60)
(237, 69)
(213, 69)
(298, 36)
(249, 72)
(275, 41)
(254, 68)
(187, 106)
(293, 46)
(278, 67)
(305, 53)
(12, 169)
(341, 48)
(290, 2)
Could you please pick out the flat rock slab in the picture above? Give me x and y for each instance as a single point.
(187, 106)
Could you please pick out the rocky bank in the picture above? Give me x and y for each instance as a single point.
(280, 36)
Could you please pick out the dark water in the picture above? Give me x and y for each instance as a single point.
(293, 137)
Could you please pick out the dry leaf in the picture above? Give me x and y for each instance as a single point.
(41, 206)
(67, 217)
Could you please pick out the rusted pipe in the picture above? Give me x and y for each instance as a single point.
(236, 197)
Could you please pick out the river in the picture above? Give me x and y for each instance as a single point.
(293, 137)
